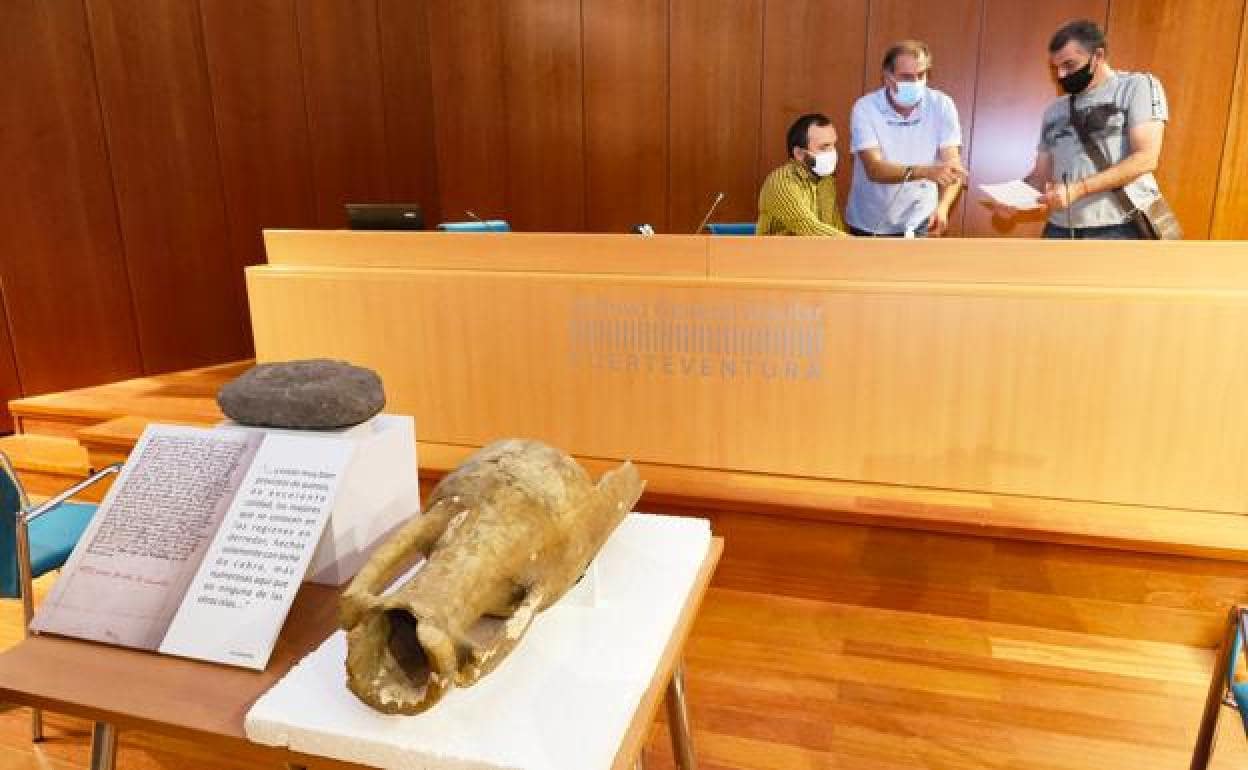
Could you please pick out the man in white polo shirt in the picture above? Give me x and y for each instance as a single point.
(907, 146)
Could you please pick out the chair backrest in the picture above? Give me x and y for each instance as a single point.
(1234, 634)
(731, 228)
(12, 501)
(1239, 690)
(478, 226)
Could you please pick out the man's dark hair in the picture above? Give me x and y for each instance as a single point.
(1085, 32)
(799, 132)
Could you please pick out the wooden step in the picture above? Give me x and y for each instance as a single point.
(1145, 529)
(1121, 527)
(187, 396)
(108, 419)
(46, 465)
(111, 441)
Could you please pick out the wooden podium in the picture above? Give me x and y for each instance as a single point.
(1005, 387)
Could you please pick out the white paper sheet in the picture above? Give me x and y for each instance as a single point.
(128, 573)
(1017, 194)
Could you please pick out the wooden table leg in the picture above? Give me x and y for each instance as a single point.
(103, 746)
(678, 720)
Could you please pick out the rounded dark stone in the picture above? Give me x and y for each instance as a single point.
(315, 393)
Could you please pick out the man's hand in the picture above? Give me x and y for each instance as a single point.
(939, 221)
(944, 174)
(1062, 196)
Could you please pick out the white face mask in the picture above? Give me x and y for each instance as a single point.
(908, 93)
(825, 162)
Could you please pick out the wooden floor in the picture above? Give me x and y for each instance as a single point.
(831, 644)
(785, 683)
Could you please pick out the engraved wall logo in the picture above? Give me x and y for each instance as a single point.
(734, 341)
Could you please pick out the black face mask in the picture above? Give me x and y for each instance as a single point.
(1077, 81)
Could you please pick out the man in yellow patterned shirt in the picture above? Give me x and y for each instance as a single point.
(799, 198)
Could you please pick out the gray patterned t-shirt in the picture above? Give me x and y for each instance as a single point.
(1123, 101)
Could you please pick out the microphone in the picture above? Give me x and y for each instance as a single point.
(718, 197)
(1066, 184)
(875, 231)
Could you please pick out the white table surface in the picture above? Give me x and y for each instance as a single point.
(562, 700)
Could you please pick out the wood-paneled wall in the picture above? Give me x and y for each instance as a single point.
(1230, 219)
(64, 278)
(144, 144)
(681, 99)
(147, 142)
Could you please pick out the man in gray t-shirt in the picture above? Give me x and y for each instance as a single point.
(1125, 114)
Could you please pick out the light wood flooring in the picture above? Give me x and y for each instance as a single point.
(784, 683)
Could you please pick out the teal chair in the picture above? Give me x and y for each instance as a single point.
(1224, 691)
(35, 540)
(477, 226)
(731, 228)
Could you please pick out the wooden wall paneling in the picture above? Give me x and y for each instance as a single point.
(716, 71)
(155, 94)
(465, 45)
(253, 59)
(1146, 36)
(812, 52)
(62, 265)
(1230, 215)
(545, 176)
(410, 150)
(342, 77)
(10, 384)
(951, 28)
(1015, 85)
(626, 113)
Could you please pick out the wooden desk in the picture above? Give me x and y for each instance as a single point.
(123, 689)
(1019, 369)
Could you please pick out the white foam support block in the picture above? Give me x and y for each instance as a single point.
(562, 700)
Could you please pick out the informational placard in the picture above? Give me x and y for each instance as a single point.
(201, 544)
(245, 585)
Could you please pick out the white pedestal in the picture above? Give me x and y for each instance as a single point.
(379, 491)
(562, 700)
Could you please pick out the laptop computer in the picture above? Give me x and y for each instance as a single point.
(385, 216)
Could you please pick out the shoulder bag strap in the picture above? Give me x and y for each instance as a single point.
(1097, 156)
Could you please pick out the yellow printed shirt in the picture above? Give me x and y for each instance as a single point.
(795, 202)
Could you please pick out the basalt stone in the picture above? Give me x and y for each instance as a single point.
(316, 393)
